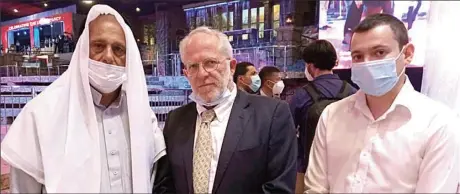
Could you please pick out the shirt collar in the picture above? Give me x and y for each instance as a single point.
(262, 93)
(403, 100)
(97, 96)
(327, 76)
(221, 108)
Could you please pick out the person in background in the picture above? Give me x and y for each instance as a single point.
(226, 141)
(272, 85)
(320, 58)
(246, 78)
(387, 137)
(92, 130)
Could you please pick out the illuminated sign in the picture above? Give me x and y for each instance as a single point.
(42, 21)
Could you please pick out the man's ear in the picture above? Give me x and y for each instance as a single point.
(239, 79)
(232, 66)
(409, 53)
(185, 72)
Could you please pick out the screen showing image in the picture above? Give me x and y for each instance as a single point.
(338, 18)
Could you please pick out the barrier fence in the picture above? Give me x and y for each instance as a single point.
(14, 98)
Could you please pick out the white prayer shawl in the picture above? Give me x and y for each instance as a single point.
(55, 138)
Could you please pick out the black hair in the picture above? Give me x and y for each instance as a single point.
(396, 25)
(241, 69)
(266, 72)
(321, 53)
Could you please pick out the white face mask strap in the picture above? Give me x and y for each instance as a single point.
(270, 81)
(400, 53)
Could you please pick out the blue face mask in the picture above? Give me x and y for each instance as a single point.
(255, 83)
(376, 78)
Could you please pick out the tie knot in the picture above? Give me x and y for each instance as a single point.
(208, 116)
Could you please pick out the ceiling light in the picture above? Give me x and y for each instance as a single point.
(88, 2)
(15, 10)
(45, 4)
(138, 9)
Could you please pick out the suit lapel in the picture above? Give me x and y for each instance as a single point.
(240, 114)
(188, 129)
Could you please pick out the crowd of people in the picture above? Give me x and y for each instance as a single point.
(93, 130)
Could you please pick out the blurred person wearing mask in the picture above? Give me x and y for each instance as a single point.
(226, 139)
(92, 130)
(272, 85)
(387, 137)
(320, 58)
(246, 77)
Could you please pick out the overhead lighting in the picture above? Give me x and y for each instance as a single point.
(15, 10)
(138, 9)
(88, 2)
(289, 19)
(45, 4)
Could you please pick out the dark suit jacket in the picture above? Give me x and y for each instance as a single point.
(258, 152)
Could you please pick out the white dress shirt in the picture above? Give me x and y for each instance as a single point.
(218, 127)
(413, 147)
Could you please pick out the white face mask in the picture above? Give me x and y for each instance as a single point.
(308, 75)
(278, 88)
(104, 77)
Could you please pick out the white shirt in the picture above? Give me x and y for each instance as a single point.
(115, 145)
(262, 93)
(218, 127)
(413, 147)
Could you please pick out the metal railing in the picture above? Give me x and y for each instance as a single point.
(14, 98)
(16, 71)
(252, 37)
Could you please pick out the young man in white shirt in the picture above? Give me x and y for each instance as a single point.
(387, 137)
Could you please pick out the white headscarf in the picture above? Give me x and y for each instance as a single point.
(55, 138)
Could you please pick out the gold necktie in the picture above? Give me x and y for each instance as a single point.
(203, 153)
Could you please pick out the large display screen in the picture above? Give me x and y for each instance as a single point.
(338, 18)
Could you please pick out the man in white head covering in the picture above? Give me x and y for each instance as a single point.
(92, 130)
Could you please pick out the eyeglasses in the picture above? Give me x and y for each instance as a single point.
(208, 65)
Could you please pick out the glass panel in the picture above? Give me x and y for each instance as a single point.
(230, 22)
(261, 30)
(245, 26)
(224, 21)
(245, 36)
(276, 25)
(276, 12)
(245, 16)
(261, 14)
(230, 38)
(253, 15)
(254, 26)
